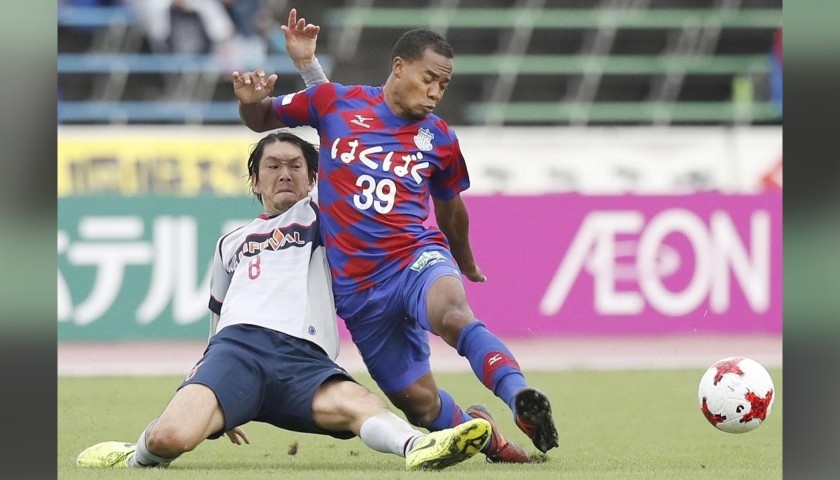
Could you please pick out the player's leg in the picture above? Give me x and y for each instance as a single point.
(191, 416)
(435, 409)
(441, 307)
(499, 449)
(220, 393)
(395, 350)
(311, 394)
(435, 297)
(428, 406)
(394, 346)
(340, 405)
(449, 316)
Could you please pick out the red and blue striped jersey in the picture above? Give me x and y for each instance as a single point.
(376, 173)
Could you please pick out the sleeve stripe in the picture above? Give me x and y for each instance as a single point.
(215, 305)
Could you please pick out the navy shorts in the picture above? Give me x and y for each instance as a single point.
(388, 321)
(266, 376)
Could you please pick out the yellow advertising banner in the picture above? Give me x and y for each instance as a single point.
(131, 166)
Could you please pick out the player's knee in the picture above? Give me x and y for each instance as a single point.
(420, 405)
(169, 440)
(422, 417)
(362, 397)
(353, 400)
(453, 321)
(447, 309)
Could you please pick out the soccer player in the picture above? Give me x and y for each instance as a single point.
(274, 338)
(383, 154)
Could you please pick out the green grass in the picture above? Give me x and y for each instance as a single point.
(613, 425)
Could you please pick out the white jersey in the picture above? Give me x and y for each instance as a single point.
(273, 273)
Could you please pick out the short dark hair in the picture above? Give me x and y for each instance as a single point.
(310, 154)
(413, 43)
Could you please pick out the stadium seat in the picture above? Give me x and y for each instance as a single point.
(553, 65)
(591, 18)
(545, 62)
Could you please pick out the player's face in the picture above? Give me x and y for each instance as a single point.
(283, 177)
(421, 84)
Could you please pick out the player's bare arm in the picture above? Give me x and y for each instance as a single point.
(252, 89)
(301, 39)
(454, 221)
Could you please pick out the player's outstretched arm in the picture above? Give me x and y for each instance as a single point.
(301, 41)
(252, 89)
(454, 221)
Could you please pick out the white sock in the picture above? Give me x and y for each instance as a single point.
(142, 458)
(388, 433)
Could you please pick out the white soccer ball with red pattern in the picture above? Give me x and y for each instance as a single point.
(736, 394)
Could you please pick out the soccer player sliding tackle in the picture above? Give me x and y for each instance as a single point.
(274, 338)
(383, 154)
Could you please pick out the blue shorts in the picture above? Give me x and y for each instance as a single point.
(266, 376)
(388, 321)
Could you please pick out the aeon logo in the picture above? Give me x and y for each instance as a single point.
(717, 250)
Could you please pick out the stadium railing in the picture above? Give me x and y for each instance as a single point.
(621, 112)
(554, 18)
(163, 63)
(148, 111)
(94, 17)
(163, 111)
(496, 65)
(535, 64)
(105, 63)
(504, 67)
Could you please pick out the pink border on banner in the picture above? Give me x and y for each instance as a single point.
(593, 265)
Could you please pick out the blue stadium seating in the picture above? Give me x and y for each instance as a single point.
(568, 62)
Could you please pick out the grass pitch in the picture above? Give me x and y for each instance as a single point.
(613, 425)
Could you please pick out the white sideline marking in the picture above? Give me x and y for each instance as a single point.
(551, 354)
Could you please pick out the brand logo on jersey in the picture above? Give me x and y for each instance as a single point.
(312, 330)
(360, 121)
(277, 239)
(423, 139)
(427, 259)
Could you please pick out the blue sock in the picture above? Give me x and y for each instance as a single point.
(491, 361)
(450, 413)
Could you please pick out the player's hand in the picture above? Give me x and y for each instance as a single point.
(300, 39)
(474, 274)
(237, 436)
(251, 87)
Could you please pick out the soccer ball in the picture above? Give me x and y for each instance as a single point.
(736, 394)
